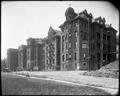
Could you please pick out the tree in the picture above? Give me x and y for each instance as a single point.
(3, 64)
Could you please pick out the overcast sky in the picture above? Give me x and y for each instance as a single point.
(24, 19)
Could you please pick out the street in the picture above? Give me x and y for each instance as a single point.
(17, 85)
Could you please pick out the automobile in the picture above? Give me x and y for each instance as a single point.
(6, 70)
(27, 75)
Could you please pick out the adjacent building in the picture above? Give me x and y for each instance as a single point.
(30, 53)
(12, 59)
(22, 57)
(40, 54)
(35, 54)
(52, 50)
(87, 43)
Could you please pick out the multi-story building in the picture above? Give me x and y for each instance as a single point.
(84, 43)
(30, 53)
(40, 54)
(87, 43)
(22, 57)
(52, 50)
(12, 59)
(117, 47)
(35, 54)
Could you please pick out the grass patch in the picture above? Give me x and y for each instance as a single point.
(21, 86)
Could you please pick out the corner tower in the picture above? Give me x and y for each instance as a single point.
(70, 14)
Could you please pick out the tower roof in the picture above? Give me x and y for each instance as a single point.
(69, 10)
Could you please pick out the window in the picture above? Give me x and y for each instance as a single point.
(84, 56)
(98, 56)
(104, 46)
(84, 64)
(93, 58)
(75, 56)
(108, 38)
(70, 56)
(66, 45)
(84, 36)
(66, 56)
(84, 45)
(75, 45)
(47, 48)
(69, 26)
(63, 47)
(27, 65)
(98, 45)
(69, 44)
(77, 25)
(50, 61)
(63, 38)
(48, 54)
(69, 35)
(63, 58)
(53, 61)
(75, 65)
(75, 33)
(53, 47)
(108, 48)
(28, 51)
(28, 57)
(66, 37)
(98, 35)
(92, 46)
(47, 61)
(104, 56)
(104, 37)
(86, 25)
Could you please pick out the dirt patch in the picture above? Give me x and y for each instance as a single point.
(109, 71)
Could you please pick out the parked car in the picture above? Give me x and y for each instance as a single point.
(6, 70)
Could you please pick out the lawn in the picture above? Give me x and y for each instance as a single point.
(15, 85)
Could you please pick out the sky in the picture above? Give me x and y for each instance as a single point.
(23, 19)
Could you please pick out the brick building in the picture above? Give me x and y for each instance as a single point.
(87, 43)
(35, 54)
(22, 56)
(84, 43)
(40, 54)
(12, 59)
(52, 49)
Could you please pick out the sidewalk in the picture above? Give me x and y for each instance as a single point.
(75, 77)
